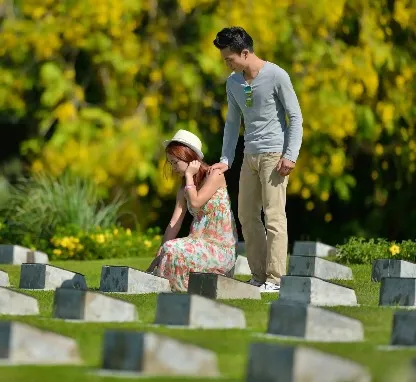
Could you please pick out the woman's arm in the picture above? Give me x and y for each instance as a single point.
(178, 215)
(214, 181)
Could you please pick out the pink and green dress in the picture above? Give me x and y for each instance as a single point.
(210, 246)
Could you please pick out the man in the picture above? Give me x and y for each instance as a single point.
(263, 93)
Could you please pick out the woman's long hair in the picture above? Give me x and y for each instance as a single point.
(186, 154)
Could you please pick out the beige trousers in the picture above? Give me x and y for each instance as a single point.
(261, 186)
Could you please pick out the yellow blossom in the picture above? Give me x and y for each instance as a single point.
(128, 232)
(57, 252)
(394, 249)
(115, 232)
(328, 217)
(147, 244)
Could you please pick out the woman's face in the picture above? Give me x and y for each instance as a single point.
(178, 166)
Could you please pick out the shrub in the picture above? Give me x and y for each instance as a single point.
(362, 251)
(38, 206)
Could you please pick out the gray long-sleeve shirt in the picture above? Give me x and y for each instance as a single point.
(266, 129)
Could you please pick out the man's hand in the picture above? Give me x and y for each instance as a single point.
(193, 168)
(223, 167)
(285, 166)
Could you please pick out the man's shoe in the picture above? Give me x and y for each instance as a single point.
(269, 287)
(255, 282)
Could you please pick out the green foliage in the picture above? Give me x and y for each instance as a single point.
(103, 82)
(116, 242)
(38, 206)
(361, 251)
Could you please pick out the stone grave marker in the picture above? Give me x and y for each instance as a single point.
(122, 279)
(75, 304)
(48, 277)
(397, 291)
(312, 248)
(280, 363)
(314, 291)
(4, 279)
(21, 344)
(392, 268)
(152, 354)
(195, 311)
(311, 323)
(216, 286)
(318, 267)
(16, 254)
(404, 328)
(17, 304)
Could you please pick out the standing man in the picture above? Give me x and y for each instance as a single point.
(263, 93)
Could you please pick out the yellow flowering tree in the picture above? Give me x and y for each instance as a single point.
(100, 83)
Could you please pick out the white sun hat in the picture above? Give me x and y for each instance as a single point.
(188, 139)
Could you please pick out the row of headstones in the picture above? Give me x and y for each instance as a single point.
(219, 287)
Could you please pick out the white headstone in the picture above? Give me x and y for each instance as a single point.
(312, 248)
(277, 363)
(4, 279)
(48, 277)
(314, 291)
(121, 279)
(16, 254)
(242, 267)
(75, 304)
(16, 304)
(23, 344)
(392, 268)
(151, 354)
(311, 323)
(196, 311)
(214, 286)
(318, 267)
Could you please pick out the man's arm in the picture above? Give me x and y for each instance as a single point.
(231, 130)
(287, 97)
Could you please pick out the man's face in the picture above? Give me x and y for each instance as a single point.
(236, 62)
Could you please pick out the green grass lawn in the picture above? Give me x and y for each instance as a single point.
(230, 345)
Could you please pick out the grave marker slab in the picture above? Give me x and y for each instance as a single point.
(4, 279)
(314, 291)
(392, 268)
(121, 279)
(152, 354)
(196, 311)
(398, 291)
(242, 267)
(216, 286)
(312, 248)
(404, 328)
(280, 363)
(16, 254)
(48, 277)
(17, 304)
(318, 267)
(23, 344)
(75, 304)
(289, 319)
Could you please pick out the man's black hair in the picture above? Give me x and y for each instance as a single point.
(234, 38)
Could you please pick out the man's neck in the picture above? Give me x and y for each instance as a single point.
(253, 68)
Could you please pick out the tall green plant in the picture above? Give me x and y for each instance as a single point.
(38, 206)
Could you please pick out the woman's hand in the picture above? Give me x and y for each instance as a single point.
(155, 263)
(193, 168)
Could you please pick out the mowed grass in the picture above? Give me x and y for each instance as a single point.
(231, 346)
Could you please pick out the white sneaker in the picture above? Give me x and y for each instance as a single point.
(269, 287)
(255, 282)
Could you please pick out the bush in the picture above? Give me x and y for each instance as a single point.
(361, 251)
(66, 219)
(38, 206)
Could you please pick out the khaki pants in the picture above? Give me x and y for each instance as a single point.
(261, 186)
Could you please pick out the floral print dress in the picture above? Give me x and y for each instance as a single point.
(210, 246)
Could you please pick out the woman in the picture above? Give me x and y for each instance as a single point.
(211, 244)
